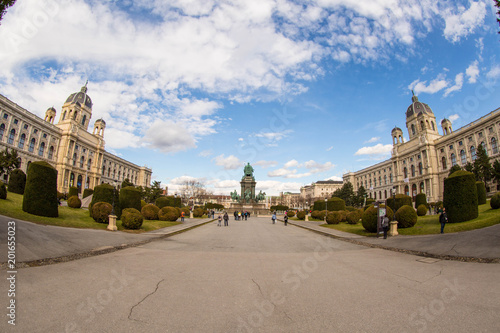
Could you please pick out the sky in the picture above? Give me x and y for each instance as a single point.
(302, 90)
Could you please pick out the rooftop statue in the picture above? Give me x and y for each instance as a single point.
(248, 170)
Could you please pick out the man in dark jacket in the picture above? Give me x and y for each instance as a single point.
(443, 218)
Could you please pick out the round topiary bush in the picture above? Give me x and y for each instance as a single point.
(481, 193)
(353, 217)
(143, 203)
(3, 191)
(460, 196)
(401, 200)
(101, 212)
(74, 202)
(369, 201)
(350, 208)
(333, 217)
(40, 193)
(104, 193)
(131, 218)
(168, 214)
(343, 215)
(318, 214)
(406, 217)
(301, 215)
(72, 191)
(290, 213)
(150, 212)
(17, 181)
(422, 210)
(369, 218)
(420, 199)
(87, 192)
(130, 197)
(162, 202)
(336, 204)
(495, 201)
(198, 212)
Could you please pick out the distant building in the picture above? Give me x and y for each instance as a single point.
(421, 164)
(319, 190)
(78, 155)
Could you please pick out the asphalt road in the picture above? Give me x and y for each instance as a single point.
(254, 276)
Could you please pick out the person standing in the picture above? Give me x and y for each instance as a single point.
(239, 216)
(182, 216)
(220, 220)
(443, 218)
(226, 219)
(274, 217)
(385, 225)
(246, 215)
(286, 219)
(235, 215)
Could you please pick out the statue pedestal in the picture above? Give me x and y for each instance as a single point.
(394, 228)
(112, 223)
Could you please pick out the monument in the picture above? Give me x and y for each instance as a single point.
(247, 199)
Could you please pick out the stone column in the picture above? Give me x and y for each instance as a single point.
(112, 223)
(394, 228)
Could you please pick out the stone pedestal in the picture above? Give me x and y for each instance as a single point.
(191, 214)
(393, 231)
(307, 218)
(112, 223)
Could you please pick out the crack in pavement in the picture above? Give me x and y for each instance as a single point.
(142, 300)
(258, 286)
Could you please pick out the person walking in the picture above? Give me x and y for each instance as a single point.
(286, 219)
(443, 218)
(239, 216)
(246, 215)
(219, 220)
(235, 215)
(182, 216)
(274, 217)
(385, 225)
(226, 219)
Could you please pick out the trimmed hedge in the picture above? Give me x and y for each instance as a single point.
(354, 217)
(334, 217)
(281, 208)
(72, 191)
(150, 212)
(334, 204)
(214, 206)
(101, 212)
(40, 193)
(169, 201)
(406, 217)
(291, 213)
(168, 214)
(130, 197)
(422, 210)
(198, 212)
(132, 218)
(143, 203)
(3, 191)
(420, 199)
(87, 192)
(481, 193)
(17, 181)
(186, 211)
(301, 215)
(318, 214)
(460, 196)
(495, 201)
(401, 200)
(104, 193)
(74, 202)
(369, 217)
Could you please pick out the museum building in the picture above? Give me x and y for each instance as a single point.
(78, 155)
(421, 164)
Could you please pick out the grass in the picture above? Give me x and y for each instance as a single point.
(69, 217)
(429, 224)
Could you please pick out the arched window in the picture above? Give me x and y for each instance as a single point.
(109, 172)
(433, 127)
(64, 115)
(74, 159)
(405, 172)
(420, 168)
(494, 147)
(484, 147)
(75, 115)
(463, 157)
(375, 195)
(41, 149)
(407, 190)
(414, 190)
(51, 152)
(385, 194)
(20, 162)
(453, 159)
(2, 130)
(89, 163)
(473, 153)
(422, 125)
(390, 178)
(31, 148)
(443, 162)
(103, 169)
(385, 179)
(412, 129)
(413, 171)
(72, 179)
(22, 139)
(84, 119)
(422, 187)
(82, 159)
(12, 135)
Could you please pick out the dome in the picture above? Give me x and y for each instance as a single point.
(100, 120)
(445, 121)
(417, 107)
(80, 97)
(51, 109)
(396, 129)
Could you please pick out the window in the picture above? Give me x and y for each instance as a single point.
(26, 126)
(84, 119)
(41, 149)
(81, 161)
(16, 121)
(442, 150)
(89, 163)
(420, 168)
(484, 147)
(45, 135)
(5, 116)
(405, 172)
(51, 152)
(2, 130)
(12, 135)
(412, 129)
(480, 134)
(35, 131)
(422, 187)
(374, 181)
(443, 162)
(463, 157)
(385, 179)
(470, 138)
(74, 159)
(390, 178)
(21, 141)
(453, 159)
(433, 127)
(473, 153)
(413, 170)
(490, 129)
(109, 172)
(451, 147)
(422, 126)
(31, 148)
(76, 147)
(460, 143)
(103, 169)
(64, 115)
(494, 147)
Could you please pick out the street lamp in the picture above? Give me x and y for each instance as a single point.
(394, 200)
(326, 207)
(114, 194)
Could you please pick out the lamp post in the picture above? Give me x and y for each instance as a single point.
(394, 200)
(114, 194)
(326, 207)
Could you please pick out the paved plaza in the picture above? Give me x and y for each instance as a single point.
(254, 276)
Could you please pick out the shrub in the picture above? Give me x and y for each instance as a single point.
(101, 212)
(422, 210)
(343, 215)
(495, 201)
(74, 202)
(3, 191)
(143, 203)
(214, 206)
(318, 214)
(169, 201)
(130, 197)
(61, 196)
(369, 201)
(406, 217)
(333, 217)
(401, 200)
(150, 212)
(73, 191)
(369, 218)
(420, 199)
(87, 192)
(350, 208)
(336, 204)
(104, 193)
(131, 218)
(460, 197)
(353, 217)
(291, 213)
(40, 193)
(481, 193)
(198, 212)
(186, 211)
(301, 215)
(17, 181)
(168, 214)
(281, 208)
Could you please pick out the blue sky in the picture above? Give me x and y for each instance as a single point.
(303, 90)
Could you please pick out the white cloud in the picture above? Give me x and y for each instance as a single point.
(206, 153)
(433, 87)
(335, 178)
(374, 150)
(316, 167)
(287, 173)
(168, 136)
(453, 117)
(266, 164)
(291, 164)
(272, 187)
(329, 148)
(229, 163)
(465, 21)
(494, 72)
(374, 139)
(472, 72)
(459, 81)
(273, 136)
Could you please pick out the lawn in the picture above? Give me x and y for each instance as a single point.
(429, 224)
(69, 217)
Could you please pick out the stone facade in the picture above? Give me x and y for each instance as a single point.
(421, 164)
(78, 155)
(319, 190)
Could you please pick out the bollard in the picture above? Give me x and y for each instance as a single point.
(394, 228)
(307, 218)
(112, 223)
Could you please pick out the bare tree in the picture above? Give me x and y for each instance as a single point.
(192, 190)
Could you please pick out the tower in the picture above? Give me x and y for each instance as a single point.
(77, 109)
(99, 127)
(420, 119)
(50, 115)
(397, 136)
(446, 125)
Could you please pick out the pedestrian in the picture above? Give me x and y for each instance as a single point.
(235, 215)
(274, 217)
(246, 215)
(182, 216)
(226, 219)
(213, 214)
(239, 216)
(220, 220)
(286, 219)
(385, 225)
(443, 218)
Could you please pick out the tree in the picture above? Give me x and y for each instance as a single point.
(360, 196)
(346, 192)
(126, 183)
(496, 171)
(454, 168)
(150, 194)
(192, 190)
(482, 166)
(4, 5)
(469, 167)
(8, 161)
